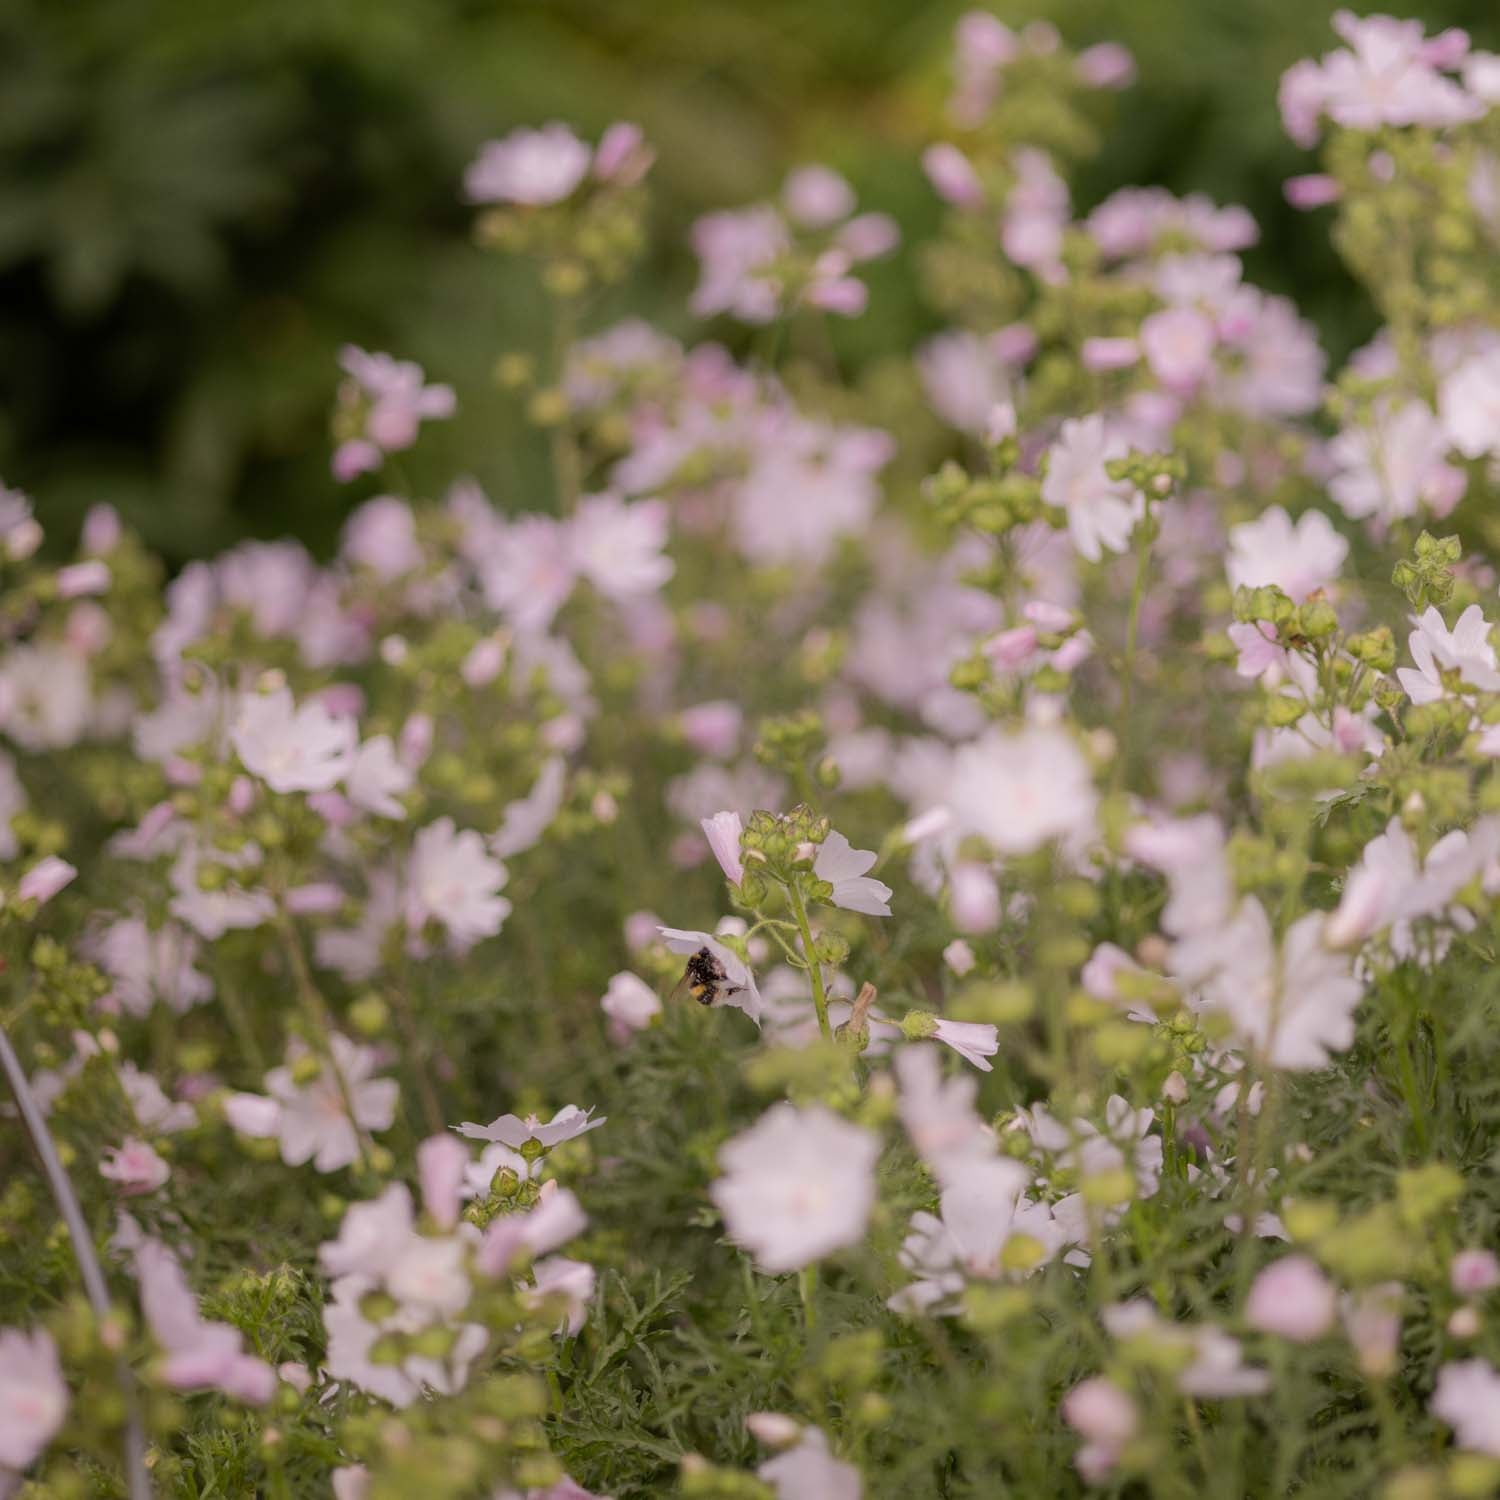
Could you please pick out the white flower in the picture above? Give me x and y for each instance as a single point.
(292, 749)
(797, 1185)
(1297, 557)
(451, 880)
(311, 1121)
(844, 869)
(723, 832)
(1394, 466)
(513, 1131)
(1469, 405)
(1101, 511)
(569, 1281)
(148, 965)
(810, 1472)
(982, 1208)
(1020, 789)
(378, 777)
(528, 818)
(528, 166)
(1293, 1002)
(974, 1041)
(618, 547)
(629, 1002)
(33, 1397)
(1467, 1398)
(1465, 649)
(939, 1114)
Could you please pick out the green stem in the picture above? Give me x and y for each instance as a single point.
(814, 968)
(807, 1286)
(1132, 633)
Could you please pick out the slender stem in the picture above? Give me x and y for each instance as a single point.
(1132, 632)
(814, 968)
(317, 1010)
(567, 461)
(807, 1286)
(406, 1022)
(89, 1269)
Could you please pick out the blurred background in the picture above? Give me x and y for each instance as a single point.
(200, 202)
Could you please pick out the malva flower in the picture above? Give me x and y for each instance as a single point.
(796, 1186)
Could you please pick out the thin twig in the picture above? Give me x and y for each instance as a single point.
(83, 1252)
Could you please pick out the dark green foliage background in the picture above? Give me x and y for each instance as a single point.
(200, 201)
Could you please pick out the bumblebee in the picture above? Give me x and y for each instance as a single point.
(706, 980)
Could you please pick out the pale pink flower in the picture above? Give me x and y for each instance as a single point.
(952, 175)
(311, 1121)
(1106, 1418)
(618, 547)
(843, 867)
(33, 1397)
(377, 778)
(1312, 190)
(46, 697)
(983, 1207)
(531, 167)
(199, 1355)
(557, 1218)
(1394, 466)
(1259, 651)
(528, 570)
(623, 157)
(1435, 649)
(959, 957)
(1101, 511)
(529, 817)
(1106, 65)
(974, 1041)
(965, 378)
(567, 1124)
(293, 749)
(1372, 1324)
(1178, 343)
(797, 1185)
(45, 879)
(630, 1003)
(736, 250)
(1467, 1398)
(1298, 556)
(1469, 404)
(1293, 1002)
(817, 197)
(723, 832)
(134, 1168)
(1472, 1272)
(1378, 890)
(1021, 789)
(569, 1281)
(713, 728)
(809, 1471)
(390, 399)
(1292, 1299)
(938, 1113)
(1102, 355)
(973, 896)
(381, 535)
(1387, 77)
(452, 881)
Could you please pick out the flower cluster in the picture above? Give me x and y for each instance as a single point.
(1010, 846)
